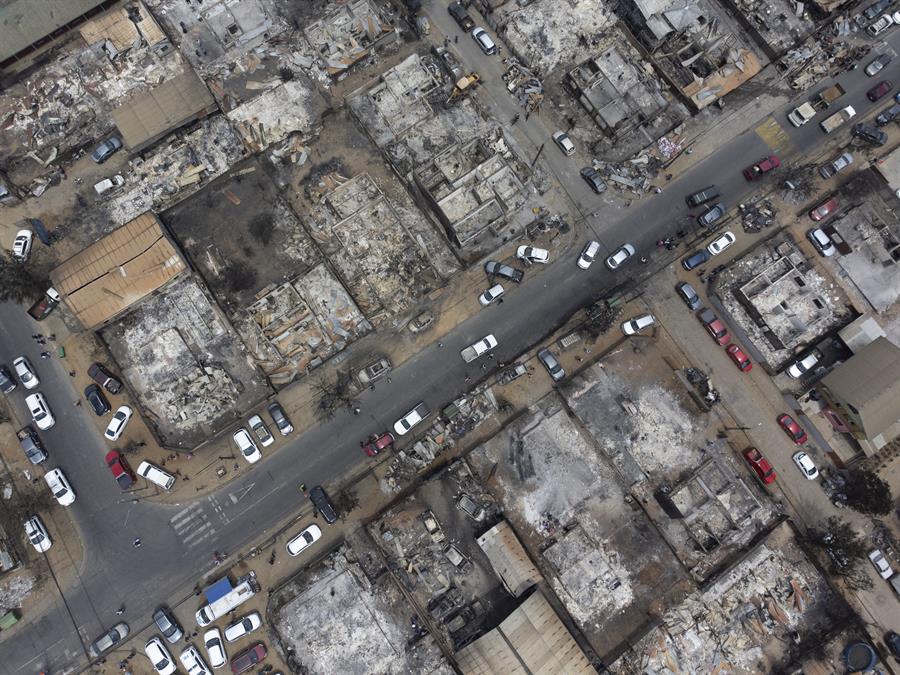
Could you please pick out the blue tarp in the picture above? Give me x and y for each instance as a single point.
(218, 590)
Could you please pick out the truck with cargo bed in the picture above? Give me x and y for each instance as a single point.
(829, 124)
(805, 112)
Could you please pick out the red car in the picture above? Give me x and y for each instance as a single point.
(824, 209)
(376, 444)
(879, 90)
(792, 429)
(714, 326)
(120, 470)
(761, 466)
(762, 167)
(741, 360)
(248, 658)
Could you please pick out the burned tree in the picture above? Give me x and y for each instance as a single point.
(334, 394)
(846, 550)
(17, 282)
(866, 492)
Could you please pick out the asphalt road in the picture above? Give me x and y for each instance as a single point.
(172, 559)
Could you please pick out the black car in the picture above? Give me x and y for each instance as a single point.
(888, 115)
(688, 294)
(868, 134)
(104, 378)
(711, 215)
(461, 16)
(323, 505)
(7, 383)
(494, 268)
(168, 625)
(892, 640)
(695, 259)
(95, 397)
(282, 421)
(874, 10)
(106, 149)
(592, 178)
(700, 197)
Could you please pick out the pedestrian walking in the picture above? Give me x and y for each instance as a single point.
(668, 176)
(71, 373)
(137, 542)
(78, 403)
(644, 259)
(468, 379)
(120, 611)
(356, 411)
(500, 301)
(515, 118)
(456, 39)
(527, 115)
(657, 189)
(45, 355)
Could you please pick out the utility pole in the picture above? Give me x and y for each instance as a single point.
(540, 150)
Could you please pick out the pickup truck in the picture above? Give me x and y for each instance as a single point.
(805, 112)
(42, 308)
(31, 444)
(483, 346)
(829, 124)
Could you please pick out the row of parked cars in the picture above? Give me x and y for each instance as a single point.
(247, 444)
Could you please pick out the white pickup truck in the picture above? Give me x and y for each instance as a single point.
(483, 346)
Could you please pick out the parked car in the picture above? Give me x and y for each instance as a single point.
(762, 167)
(490, 295)
(719, 244)
(881, 565)
(803, 365)
(741, 360)
(714, 326)
(561, 138)
(31, 445)
(323, 505)
(764, 470)
(108, 640)
(877, 64)
(821, 242)
(155, 475)
(296, 545)
(461, 16)
(117, 424)
(711, 215)
(167, 624)
(531, 254)
(106, 149)
(792, 429)
(619, 256)
(839, 163)
(280, 418)
(261, 431)
(806, 465)
(248, 658)
(638, 323)
(593, 179)
(376, 443)
(701, 197)
(470, 507)
(120, 469)
(892, 640)
(193, 661)
(40, 411)
(879, 91)
(7, 383)
(456, 558)
(44, 305)
(21, 248)
(159, 656)
(546, 357)
(26, 373)
(824, 209)
(97, 400)
(688, 294)
(873, 10)
(99, 374)
(246, 446)
(247, 624)
(60, 487)
(215, 648)
(411, 419)
(374, 371)
(882, 24)
(588, 254)
(484, 41)
(888, 116)
(421, 322)
(870, 135)
(493, 268)
(37, 534)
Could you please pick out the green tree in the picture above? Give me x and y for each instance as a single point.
(847, 551)
(18, 283)
(867, 492)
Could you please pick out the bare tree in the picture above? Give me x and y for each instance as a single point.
(334, 394)
(846, 550)
(345, 502)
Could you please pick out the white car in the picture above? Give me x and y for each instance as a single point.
(297, 545)
(245, 625)
(490, 295)
(881, 25)
(193, 662)
(882, 566)
(411, 419)
(258, 427)
(484, 41)
(561, 138)
(589, 254)
(40, 411)
(117, 424)
(615, 261)
(25, 372)
(246, 446)
(37, 534)
(638, 323)
(804, 365)
(721, 243)
(215, 648)
(822, 242)
(109, 184)
(806, 465)
(159, 656)
(60, 486)
(21, 248)
(530, 254)
(154, 474)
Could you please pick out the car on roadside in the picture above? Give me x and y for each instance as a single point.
(246, 445)
(37, 535)
(719, 244)
(457, 558)
(620, 256)
(877, 64)
(530, 255)
(760, 465)
(887, 116)
(892, 640)
(377, 443)
(804, 364)
(21, 248)
(836, 165)
(32, 445)
(548, 360)
(588, 254)
(248, 658)
(60, 487)
(490, 295)
(562, 140)
(167, 624)
(411, 419)
(494, 268)
(762, 167)
(106, 149)
(40, 411)
(484, 41)
(117, 424)
(215, 648)
(806, 465)
(687, 293)
(374, 371)
(193, 661)
(824, 209)
(872, 11)
(108, 640)
(96, 400)
(26, 373)
(7, 383)
(247, 624)
(711, 215)
(821, 242)
(881, 564)
(741, 360)
(714, 326)
(151, 472)
(296, 545)
(460, 16)
(159, 656)
(638, 323)
(99, 374)
(879, 91)
(470, 507)
(322, 503)
(280, 418)
(792, 429)
(120, 469)
(261, 431)
(884, 22)
(421, 322)
(700, 197)
(870, 135)
(593, 179)
(695, 259)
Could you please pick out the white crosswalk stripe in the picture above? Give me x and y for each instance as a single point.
(193, 525)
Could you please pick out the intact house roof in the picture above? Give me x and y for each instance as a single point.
(146, 117)
(111, 275)
(25, 22)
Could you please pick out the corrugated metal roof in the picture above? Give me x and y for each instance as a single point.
(24, 22)
(509, 559)
(112, 274)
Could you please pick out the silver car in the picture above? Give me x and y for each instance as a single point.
(546, 357)
(108, 640)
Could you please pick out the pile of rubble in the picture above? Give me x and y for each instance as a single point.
(818, 58)
(523, 84)
(757, 215)
(634, 176)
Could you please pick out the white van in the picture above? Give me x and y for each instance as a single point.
(154, 474)
(238, 595)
